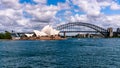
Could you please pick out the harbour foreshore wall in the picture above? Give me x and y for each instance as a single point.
(42, 38)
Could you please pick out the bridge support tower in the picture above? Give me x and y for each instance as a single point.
(110, 32)
(118, 32)
(64, 34)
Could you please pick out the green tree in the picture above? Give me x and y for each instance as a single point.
(2, 36)
(7, 35)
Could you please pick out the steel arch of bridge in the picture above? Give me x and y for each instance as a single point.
(92, 26)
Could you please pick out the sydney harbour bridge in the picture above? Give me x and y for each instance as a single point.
(105, 32)
(67, 28)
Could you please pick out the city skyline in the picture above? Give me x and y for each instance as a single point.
(27, 15)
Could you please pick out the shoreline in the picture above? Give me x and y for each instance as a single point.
(41, 38)
(48, 39)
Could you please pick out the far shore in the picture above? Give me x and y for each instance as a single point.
(5, 39)
(46, 39)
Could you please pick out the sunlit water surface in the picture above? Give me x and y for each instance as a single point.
(69, 53)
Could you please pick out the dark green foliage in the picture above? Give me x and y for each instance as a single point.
(6, 35)
(2, 36)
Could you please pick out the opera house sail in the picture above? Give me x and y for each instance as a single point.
(50, 31)
(39, 33)
(47, 33)
(29, 35)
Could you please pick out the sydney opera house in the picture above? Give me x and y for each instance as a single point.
(47, 33)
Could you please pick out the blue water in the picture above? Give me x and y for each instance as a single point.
(69, 53)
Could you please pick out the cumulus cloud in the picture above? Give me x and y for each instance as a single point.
(14, 4)
(40, 1)
(105, 21)
(27, 17)
(79, 18)
(93, 13)
(91, 7)
(115, 6)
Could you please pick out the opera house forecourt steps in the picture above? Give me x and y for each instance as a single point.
(47, 33)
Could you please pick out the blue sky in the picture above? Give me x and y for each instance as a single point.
(54, 2)
(27, 1)
(49, 2)
(33, 14)
(107, 10)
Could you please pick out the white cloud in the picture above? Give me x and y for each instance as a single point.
(42, 13)
(11, 4)
(101, 20)
(13, 16)
(114, 20)
(63, 6)
(91, 7)
(27, 17)
(78, 18)
(68, 13)
(115, 6)
(22, 22)
(41, 1)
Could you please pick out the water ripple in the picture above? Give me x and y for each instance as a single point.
(70, 53)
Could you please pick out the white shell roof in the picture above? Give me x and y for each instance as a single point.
(46, 31)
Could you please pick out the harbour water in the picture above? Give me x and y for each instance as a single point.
(69, 53)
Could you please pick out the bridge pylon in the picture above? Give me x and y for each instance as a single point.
(64, 34)
(110, 32)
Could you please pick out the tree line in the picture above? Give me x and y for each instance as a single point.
(5, 35)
